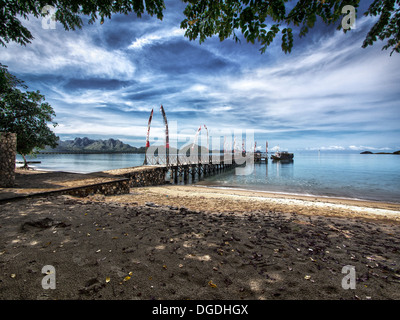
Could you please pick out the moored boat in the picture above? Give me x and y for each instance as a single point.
(282, 155)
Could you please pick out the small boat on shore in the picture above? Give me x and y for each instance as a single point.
(282, 155)
(28, 162)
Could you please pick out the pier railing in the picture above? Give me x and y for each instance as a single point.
(182, 159)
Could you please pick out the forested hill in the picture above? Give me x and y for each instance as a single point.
(86, 145)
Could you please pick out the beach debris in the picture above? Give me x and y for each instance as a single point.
(128, 277)
(13, 275)
(211, 284)
(128, 250)
(228, 281)
(108, 279)
(92, 285)
(44, 223)
(183, 210)
(151, 204)
(307, 277)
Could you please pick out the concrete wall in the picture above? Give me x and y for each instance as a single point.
(8, 151)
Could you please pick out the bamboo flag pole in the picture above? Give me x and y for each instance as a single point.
(148, 137)
(166, 134)
(208, 145)
(196, 137)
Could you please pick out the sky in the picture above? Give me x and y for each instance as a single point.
(104, 80)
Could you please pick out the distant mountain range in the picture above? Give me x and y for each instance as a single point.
(86, 145)
(369, 152)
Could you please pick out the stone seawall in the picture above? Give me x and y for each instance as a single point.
(8, 150)
(104, 188)
(146, 176)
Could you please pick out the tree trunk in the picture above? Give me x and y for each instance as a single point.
(25, 166)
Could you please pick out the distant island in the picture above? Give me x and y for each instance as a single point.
(86, 145)
(369, 152)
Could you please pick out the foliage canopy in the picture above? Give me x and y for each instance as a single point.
(25, 113)
(258, 21)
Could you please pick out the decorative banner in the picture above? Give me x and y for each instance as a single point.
(148, 130)
(195, 137)
(166, 128)
(208, 145)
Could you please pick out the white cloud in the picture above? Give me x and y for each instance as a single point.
(332, 85)
(72, 52)
(157, 37)
(361, 148)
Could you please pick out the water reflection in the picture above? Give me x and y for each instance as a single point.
(283, 168)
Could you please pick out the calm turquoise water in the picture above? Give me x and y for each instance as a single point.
(85, 163)
(372, 177)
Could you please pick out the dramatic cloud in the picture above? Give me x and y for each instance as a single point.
(103, 81)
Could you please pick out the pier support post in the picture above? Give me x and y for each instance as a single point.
(193, 171)
(175, 171)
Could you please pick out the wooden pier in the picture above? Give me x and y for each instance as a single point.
(260, 157)
(182, 168)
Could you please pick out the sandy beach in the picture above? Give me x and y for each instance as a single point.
(189, 242)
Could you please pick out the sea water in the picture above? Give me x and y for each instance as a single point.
(356, 176)
(84, 163)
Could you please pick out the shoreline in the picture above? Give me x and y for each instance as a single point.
(199, 184)
(294, 194)
(241, 201)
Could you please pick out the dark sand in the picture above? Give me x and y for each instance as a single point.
(198, 243)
